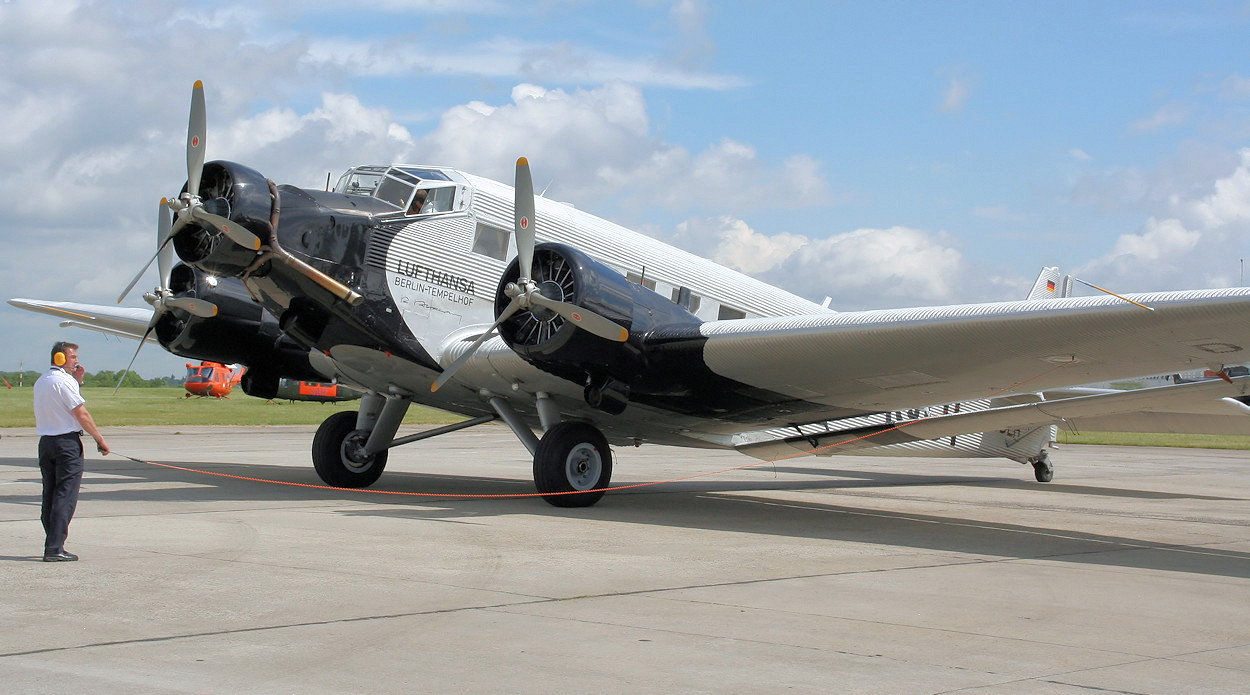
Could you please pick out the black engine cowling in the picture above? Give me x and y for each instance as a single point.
(608, 369)
(241, 332)
(239, 194)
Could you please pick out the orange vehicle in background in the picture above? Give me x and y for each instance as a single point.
(212, 379)
(217, 380)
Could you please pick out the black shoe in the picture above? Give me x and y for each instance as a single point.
(60, 557)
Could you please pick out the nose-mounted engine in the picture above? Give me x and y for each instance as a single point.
(238, 194)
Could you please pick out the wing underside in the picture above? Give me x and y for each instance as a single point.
(1210, 407)
(119, 321)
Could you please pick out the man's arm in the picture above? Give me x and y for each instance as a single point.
(88, 425)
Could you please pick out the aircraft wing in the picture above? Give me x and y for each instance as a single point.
(906, 358)
(120, 321)
(1200, 407)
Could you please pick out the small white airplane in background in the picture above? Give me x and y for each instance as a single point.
(428, 284)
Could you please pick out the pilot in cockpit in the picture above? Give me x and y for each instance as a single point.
(418, 201)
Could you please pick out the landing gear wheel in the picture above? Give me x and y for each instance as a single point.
(1043, 469)
(572, 456)
(338, 453)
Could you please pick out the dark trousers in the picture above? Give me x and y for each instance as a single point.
(61, 463)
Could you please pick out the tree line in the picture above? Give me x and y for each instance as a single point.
(104, 377)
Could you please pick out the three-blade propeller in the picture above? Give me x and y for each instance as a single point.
(525, 293)
(187, 209)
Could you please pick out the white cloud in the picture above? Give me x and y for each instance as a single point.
(958, 89)
(1167, 116)
(1235, 88)
(596, 146)
(1193, 247)
(1229, 204)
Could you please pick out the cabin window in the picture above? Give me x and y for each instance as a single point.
(691, 305)
(729, 313)
(491, 241)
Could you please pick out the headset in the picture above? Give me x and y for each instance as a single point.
(58, 353)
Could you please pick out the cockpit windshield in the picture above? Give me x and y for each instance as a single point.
(414, 190)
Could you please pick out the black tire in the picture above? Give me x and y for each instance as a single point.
(332, 464)
(1043, 471)
(572, 456)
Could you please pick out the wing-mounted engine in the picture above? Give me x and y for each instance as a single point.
(609, 369)
(240, 332)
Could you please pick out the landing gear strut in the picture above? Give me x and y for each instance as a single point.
(1043, 469)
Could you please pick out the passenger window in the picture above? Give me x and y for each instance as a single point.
(491, 241)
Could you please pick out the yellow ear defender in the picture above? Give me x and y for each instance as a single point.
(58, 355)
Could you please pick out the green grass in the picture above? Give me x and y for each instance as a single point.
(167, 406)
(1189, 441)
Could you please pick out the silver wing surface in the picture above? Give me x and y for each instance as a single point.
(120, 321)
(879, 361)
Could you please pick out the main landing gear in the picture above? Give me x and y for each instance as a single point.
(1043, 469)
(572, 460)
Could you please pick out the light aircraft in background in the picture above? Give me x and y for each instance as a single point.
(431, 285)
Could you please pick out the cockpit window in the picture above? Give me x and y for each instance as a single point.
(410, 189)
(394, 191)
(359, 182)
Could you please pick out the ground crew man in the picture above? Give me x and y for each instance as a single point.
(60, 418)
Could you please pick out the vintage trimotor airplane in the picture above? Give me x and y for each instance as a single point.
(428, 284)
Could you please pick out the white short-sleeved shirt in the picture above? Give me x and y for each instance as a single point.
(56, 396)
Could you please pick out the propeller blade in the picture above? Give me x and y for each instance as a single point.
(196, 307)
(523, 219)
(135, 281)
(196, 128)
(583, 318)
(512, 308)
(164, 253)
(235, 232)
(144, 339)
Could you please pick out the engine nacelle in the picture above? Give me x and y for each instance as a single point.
(241, 332)
(547, 340)
(239, 194)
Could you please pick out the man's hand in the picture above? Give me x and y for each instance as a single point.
(102, 447)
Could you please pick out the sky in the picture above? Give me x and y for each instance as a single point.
(884, 154)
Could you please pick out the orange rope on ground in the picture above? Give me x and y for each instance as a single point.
(616, 488)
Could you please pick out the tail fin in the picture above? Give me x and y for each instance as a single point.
(1050, 285)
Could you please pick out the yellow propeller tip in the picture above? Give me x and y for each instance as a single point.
(433, 387)
(522, 162)
(624, 336)
(199, 84)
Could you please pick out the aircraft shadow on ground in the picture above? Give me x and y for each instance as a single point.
(704, 504)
